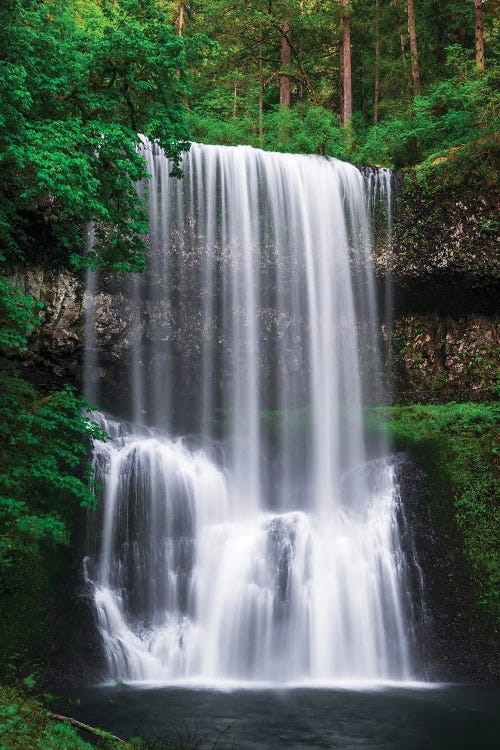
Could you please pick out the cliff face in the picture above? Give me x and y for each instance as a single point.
(443, 254)
(444, 264)
(432, 357)
(56, 346)
(439, 358)
(444, 267)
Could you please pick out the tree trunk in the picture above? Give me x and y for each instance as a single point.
(286, 57)
(396, 4)
(377, 62)
(412, 32)
(180, 21)
(261, 93)
(478, 9)
(346, 63)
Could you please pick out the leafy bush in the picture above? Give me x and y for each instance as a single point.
(306, 130)
(45, 440)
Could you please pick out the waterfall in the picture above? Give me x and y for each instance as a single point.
(247, 530)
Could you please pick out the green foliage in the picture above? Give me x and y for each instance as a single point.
(25, 723)
(78, 81)
(458, 103)
(208, 129)
(44, 444)
(456, 112)
(44, 476)
(296, 130)
(306, 130)
(17, 317)
(458, 443)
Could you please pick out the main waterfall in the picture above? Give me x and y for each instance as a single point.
(247, 531)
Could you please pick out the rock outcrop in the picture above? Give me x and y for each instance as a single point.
(433, 357)
(441, 358)
(55, 351)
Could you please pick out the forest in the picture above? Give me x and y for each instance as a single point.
(409, 85)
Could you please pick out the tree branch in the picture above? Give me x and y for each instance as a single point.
(87, 728)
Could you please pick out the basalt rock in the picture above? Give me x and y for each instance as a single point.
(439, 358)
(443, 251)
(432, 357)
(55, 349)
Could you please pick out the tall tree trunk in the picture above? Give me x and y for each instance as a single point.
(261, 93)
(402, 45)
(412, 32)
(478, 10)
(376, 95)
(286, 57)
(346, 63)
(180, 20)
(180, 26)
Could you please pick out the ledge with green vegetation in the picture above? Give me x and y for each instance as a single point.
(459, 446)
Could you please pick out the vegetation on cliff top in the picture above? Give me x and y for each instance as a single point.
(381, 81)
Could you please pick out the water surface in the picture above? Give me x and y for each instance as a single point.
(386, 718)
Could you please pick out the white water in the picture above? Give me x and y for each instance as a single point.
(255, 550)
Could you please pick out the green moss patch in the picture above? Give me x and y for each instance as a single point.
(459, 445)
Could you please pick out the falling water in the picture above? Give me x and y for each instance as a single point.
(247, 529)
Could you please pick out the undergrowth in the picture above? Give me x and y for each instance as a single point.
(26, 724)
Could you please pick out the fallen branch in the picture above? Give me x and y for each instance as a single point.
(87, 728)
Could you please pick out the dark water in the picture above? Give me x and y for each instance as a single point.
(444, 718)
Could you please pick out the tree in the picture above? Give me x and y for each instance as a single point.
(286, 56)
(78, 82)
(346, 113)
(376, 93)
(180, 19)
(479, 33)
(412, 33)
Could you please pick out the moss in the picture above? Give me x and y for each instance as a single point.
(459, 445)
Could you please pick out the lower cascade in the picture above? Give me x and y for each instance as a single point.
(247, 528)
